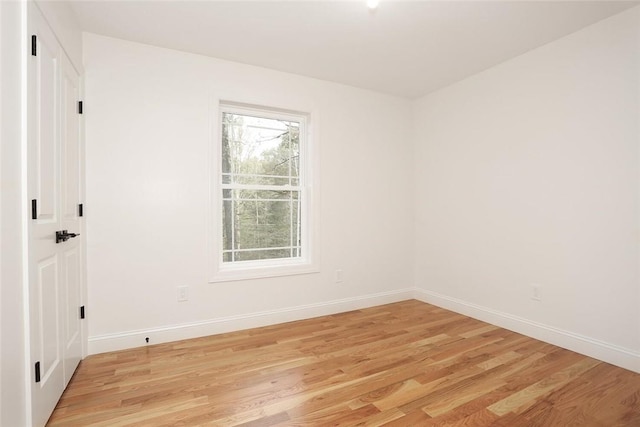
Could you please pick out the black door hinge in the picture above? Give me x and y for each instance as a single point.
(80, 210)
(34, 209)
(82, 312)
(79, 107)
(34, 45)
(37, 372)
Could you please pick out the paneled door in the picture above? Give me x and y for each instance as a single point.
(70, 220)
(54, 168)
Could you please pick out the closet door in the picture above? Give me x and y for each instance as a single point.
(70, 220)
(55, 261)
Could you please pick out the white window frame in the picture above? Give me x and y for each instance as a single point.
(242, 270)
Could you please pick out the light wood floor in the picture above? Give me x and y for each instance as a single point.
(403, 364)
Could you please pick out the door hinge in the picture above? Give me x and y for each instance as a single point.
(79, 107)
(37, 372)
(34, 209)
(82, 312)
(80, 210)
(34, 45)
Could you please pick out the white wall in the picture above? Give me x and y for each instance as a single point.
(12, 328)
(525, 174)
(148, 118)
(528, 173)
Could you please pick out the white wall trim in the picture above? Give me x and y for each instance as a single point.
(619, 356)
(136, 338)
(310, 180)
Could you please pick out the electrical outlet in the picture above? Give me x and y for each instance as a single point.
(535, 292)
(338, 276)
(183, 293)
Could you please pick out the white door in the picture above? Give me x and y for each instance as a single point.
(70, 250)
(55, 266)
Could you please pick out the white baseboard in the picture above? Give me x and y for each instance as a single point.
(136, 338)
(600, 350)
(625, 358)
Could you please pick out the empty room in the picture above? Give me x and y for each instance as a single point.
(319, 213)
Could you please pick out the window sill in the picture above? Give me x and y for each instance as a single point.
(246, 272)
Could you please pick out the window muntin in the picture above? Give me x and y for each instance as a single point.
(262, 184)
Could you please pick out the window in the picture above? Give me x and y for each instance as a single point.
(264, 191)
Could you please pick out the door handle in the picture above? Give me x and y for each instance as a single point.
(64, 235)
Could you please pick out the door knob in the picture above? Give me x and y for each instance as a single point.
(64, 235)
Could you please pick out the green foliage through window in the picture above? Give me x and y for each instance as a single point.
(261, 188)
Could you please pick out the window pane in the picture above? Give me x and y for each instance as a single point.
(258, 153)
(255, 148)
(266, 254)
(227, 225)
(258, 180)
(262, 224)
(295, 153)
(227, 132)
(295, 226)
(261, 195)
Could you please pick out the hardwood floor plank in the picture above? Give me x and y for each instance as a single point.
(524, 398)
(403, 364)
(482, 418)
(381, 418)
(412, 419)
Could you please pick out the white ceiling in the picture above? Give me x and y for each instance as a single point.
(404, 48)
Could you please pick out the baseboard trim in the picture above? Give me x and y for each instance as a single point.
(622, 357)
(136, 338)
